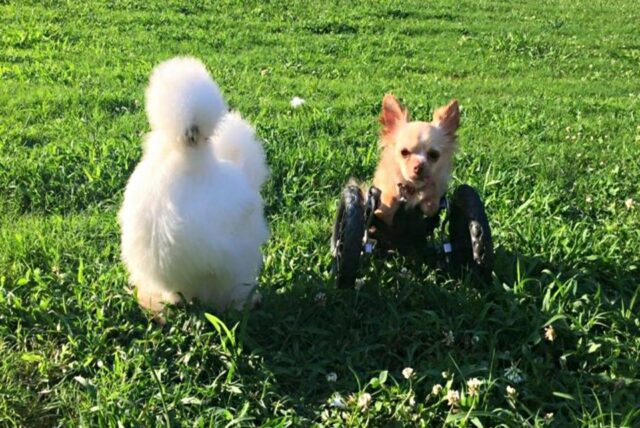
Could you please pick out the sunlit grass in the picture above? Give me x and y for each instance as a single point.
(550, 137)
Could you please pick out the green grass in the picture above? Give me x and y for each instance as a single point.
(550, 137)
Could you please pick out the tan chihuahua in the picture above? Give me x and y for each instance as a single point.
(416, 158)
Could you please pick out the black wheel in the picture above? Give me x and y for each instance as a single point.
(469, 232)
(346, 240)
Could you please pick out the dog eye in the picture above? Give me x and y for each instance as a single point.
(433, 155)
(405, 153)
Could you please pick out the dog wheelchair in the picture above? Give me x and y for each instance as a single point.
(458, 237)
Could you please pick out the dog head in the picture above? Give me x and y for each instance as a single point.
(423, 151)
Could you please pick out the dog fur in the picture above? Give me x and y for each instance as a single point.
(416, 156)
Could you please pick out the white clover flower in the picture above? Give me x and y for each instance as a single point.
(511, 392)
(297, 102)
(453, 397)
(412, 401)
(550, 333)
(324, 415)
(437, 388)
(449, 338)
(332, 377)
(629, 203)
(337, 402)
(514, 375)
(548, 416)
(320, 298)
(359, 283)
(588, 199)
(445, 374)
(407, 372)
(473, 386)
(364, 400)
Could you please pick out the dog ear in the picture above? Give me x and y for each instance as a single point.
(448, 117)
(392, 114)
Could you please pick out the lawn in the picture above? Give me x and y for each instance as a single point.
(550, 137)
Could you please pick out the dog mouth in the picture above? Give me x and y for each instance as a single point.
(409, 187)
(420, 180)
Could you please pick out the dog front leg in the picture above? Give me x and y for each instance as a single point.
(389, 204)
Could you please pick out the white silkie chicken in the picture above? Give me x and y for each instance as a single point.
(192, 218)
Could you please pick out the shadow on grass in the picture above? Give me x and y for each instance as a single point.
(307, 329)
(434, 323)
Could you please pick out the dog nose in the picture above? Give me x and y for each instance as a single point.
(417, 169)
